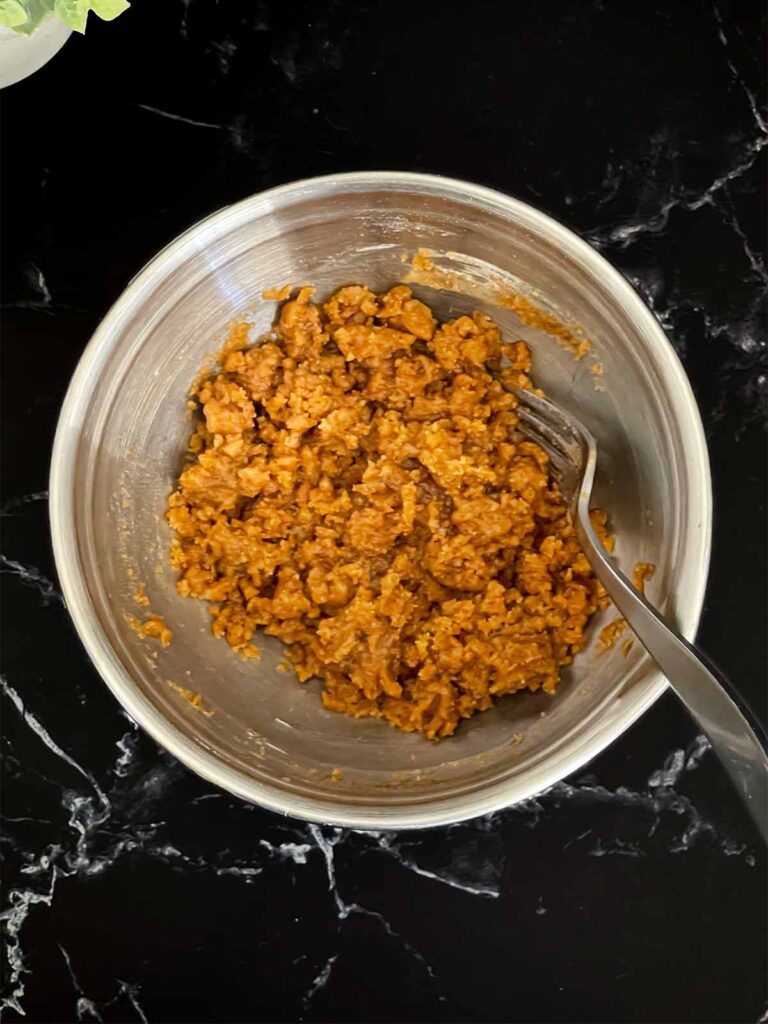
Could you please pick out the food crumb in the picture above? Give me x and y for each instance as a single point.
(140, 597)
(643, 571)
(194, 699)
(154, 628)
(336, 775)
(277, 294)
(421, 261)
(609, 634)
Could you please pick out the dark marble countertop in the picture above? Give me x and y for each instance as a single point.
(133, 890)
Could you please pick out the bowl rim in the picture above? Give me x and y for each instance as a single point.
(320, 810)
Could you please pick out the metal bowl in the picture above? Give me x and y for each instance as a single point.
(124, 427)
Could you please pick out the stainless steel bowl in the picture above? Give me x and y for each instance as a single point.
(124, 427)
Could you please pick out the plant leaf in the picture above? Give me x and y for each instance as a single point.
(73, 13)
(35, 11)
(109, 9)
(25, 15)
(12, 13)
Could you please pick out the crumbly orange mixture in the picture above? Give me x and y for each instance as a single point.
(359, 489)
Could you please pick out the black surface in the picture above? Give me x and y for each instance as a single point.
(135, 891)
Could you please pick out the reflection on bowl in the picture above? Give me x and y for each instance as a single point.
(123, 432)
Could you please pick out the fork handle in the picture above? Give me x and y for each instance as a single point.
(736, 736)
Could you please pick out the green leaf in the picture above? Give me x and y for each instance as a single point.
(73, 13)
(35, 11)
(12, 14)
(25, 15)
(109, 9)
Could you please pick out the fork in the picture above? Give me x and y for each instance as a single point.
(736, 736)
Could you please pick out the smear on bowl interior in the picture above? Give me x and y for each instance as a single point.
(358, 488)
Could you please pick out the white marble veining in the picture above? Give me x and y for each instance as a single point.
(90, 1009)
(13, 505)
(759, 116)
(101, 834)
(32, 577)
(178, 117)
(623, 234)
(320, 981)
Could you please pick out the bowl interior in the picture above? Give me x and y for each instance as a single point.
(124, 432)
